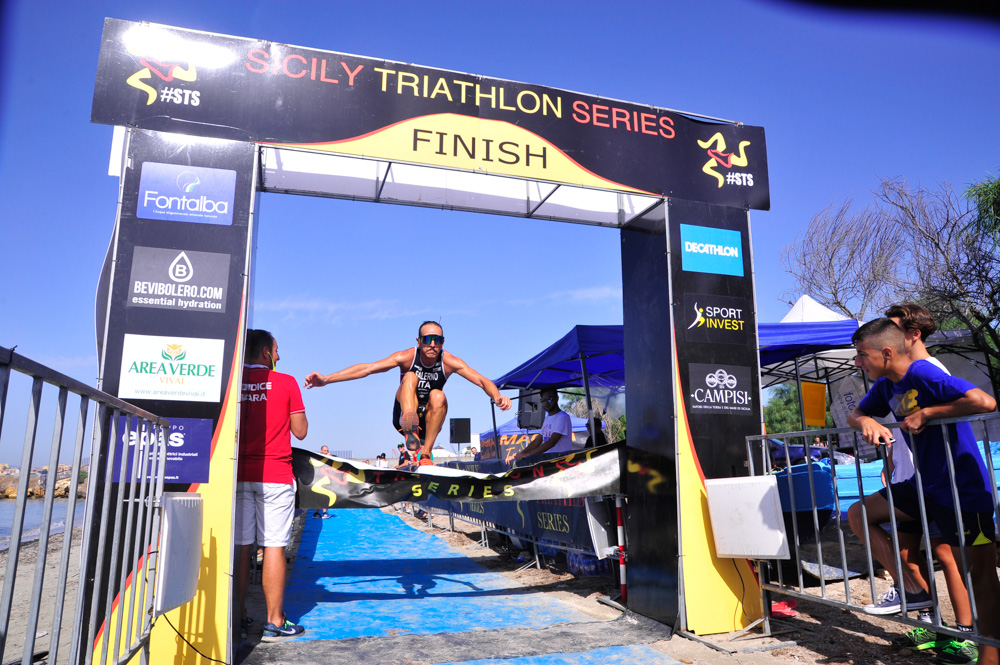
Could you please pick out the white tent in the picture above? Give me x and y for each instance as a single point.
(807, 310)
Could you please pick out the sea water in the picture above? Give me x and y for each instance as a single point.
(33, 509)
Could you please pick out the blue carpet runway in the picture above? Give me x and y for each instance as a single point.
(370, 589)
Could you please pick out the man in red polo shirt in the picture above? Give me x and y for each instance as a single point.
(271, 411)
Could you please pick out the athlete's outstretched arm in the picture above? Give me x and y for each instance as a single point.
(359, 371)
(456, 365)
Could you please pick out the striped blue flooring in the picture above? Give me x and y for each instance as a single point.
(365, 573)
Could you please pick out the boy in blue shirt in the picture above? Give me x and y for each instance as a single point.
(917, 392)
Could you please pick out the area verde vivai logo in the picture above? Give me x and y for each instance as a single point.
(711, 250)
(184, 369)
(182, 193)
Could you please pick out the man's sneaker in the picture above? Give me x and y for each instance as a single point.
(286, 631)
(889, 603)
(425, 459)
(920, 639)
(958, 652)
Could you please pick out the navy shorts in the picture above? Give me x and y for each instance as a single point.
(979, 528)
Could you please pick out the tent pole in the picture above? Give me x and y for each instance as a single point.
(802, 408)
(586, 393)
(496, 436)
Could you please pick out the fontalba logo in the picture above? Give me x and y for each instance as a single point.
(719, 158)
(165, 72)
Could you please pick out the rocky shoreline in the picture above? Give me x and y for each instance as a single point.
(36, 487)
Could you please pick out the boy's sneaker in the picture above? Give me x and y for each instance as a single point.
(889, 603)
(286, 631)
(920, 639)
(958, 652)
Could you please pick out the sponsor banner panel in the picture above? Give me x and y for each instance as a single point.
(716, 342)
(711, 250)
(331, 482)
(716, 319)
(719, 389)
(185, 193)
(176, 369)
(178, 279)
(169, 79)
(558, 520)
(189, 445)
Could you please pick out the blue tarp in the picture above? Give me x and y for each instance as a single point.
(601, 347)
(603, 351)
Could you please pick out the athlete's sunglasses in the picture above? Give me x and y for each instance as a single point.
(431, 339)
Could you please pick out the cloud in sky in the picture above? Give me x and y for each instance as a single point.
(582, 295)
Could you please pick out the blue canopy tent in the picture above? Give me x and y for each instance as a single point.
(595, 355)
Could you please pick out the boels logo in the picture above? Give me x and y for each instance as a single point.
(720, 160)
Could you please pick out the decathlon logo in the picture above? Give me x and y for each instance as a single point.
(710, 250)
(720, 389)
(186, 193)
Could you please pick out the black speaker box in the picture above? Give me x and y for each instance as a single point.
(530, 414)
(460, 430)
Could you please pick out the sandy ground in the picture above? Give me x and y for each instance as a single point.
(21, 601)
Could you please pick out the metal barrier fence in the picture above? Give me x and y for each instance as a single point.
(119, 529)
(816, 496)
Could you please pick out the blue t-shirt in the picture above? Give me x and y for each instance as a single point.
(926, 385)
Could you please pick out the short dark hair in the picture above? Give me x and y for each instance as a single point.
(421, 326)
(257, 341)
(880, 333)
(913, 316)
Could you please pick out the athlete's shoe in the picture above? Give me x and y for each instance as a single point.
(286, 631)
(412, 441)
(958, 652)
(425, 459)
(920, 639)
(889, 603)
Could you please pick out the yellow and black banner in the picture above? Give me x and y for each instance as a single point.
(331, 482)
(169, 79)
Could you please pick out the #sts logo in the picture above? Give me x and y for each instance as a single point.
(718, 158)
(166, 72)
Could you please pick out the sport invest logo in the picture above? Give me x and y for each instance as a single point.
(715, 318)
(711, 250)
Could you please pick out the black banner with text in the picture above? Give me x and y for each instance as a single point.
(170, 79)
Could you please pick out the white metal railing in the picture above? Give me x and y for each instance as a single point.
(121, 524)
(806, 505)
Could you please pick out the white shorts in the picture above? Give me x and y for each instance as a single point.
(264, 513)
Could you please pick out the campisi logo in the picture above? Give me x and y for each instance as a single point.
(187, 181)
(721, 390)
(718, 158)
(174, 352)
(720, 378)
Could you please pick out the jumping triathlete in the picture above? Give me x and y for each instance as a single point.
(421, 406)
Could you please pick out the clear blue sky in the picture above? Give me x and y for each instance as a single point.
(845, 99)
